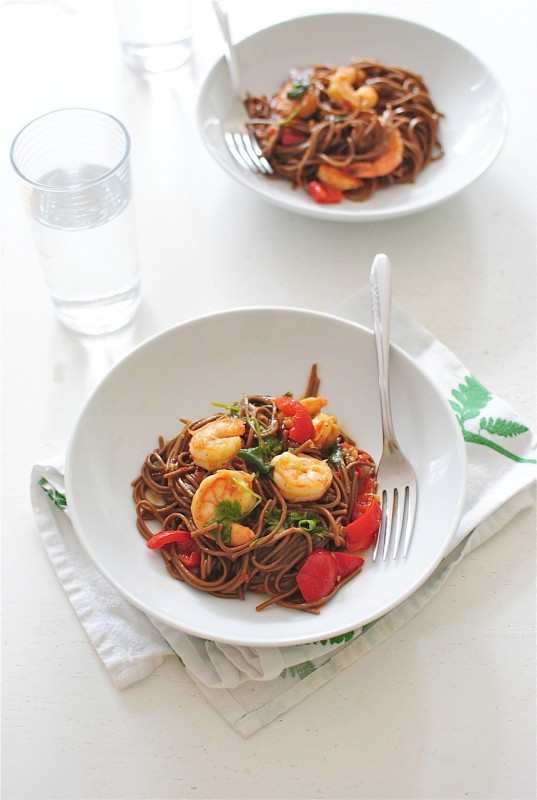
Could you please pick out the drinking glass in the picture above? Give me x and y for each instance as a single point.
(155, 35)
(73, 169)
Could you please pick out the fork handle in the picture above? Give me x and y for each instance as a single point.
(381, 299)
(231, 54)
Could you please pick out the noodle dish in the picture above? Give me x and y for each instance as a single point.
(228, 491)
(362, 117)
(344, 132)
(269, 497)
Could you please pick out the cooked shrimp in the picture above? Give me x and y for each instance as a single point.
(216, 443)
(341, 89)
(385, 163)
(326, 427)
(339, 178)
(225, 484)
(326, 430)
(305, 106)
(240, 534)
(301, 478)
(313, 404)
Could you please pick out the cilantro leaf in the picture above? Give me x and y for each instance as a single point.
(298, 90)
(259, 457)
(336, 456)
(230, 511)
(255, 457)
(227, 512)
(272, 518)
(305, 520)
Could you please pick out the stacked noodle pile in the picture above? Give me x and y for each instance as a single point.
(284, 533)
(374, 123)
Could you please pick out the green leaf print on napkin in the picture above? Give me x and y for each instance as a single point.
(299, 670)
(343, 637)
(57, 497)
(307, 667)
(471, 397)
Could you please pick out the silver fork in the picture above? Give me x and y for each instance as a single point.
(242, 145)
(395, 475)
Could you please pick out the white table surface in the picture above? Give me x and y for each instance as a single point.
(446, 707)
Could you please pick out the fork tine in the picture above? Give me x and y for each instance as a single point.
(411, 515)
(236, 146)
(385, 530)
(402, 501)
(381, 530)
(246, 151)
(235, 152)
(398, 515)
(241, 143)
(252, 146)
(391, 510)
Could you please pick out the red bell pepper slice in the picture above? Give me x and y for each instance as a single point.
(323, 193)
(369, 488)
(362, 531)
(192, 560)
(302, 427)
(188, 550)
(317, 577)
(347, 563)
(289, 136)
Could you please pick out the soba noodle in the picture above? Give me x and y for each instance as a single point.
(343, 136)
(268, 564)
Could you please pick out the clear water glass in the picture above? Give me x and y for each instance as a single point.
(155, 35)
(74, 172)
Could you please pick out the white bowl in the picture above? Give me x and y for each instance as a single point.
(217, 358)
(472, 132)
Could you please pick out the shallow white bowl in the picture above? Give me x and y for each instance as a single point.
(472, 132)
(217, 358)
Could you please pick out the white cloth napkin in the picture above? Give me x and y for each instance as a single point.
(251, 687)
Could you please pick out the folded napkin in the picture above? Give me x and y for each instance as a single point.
(251, 687)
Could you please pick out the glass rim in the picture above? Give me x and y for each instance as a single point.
(94, 181)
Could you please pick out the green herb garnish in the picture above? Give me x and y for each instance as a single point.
(272, 517)
(306, 521)
(233, 408)
(298, 90)
(255, 458)
(259, 457)
(227, 512)
(336, 456)
(230, 511)
(288, 118)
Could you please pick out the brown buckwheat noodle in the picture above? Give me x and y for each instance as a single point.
(341, 136)
(268, 564)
